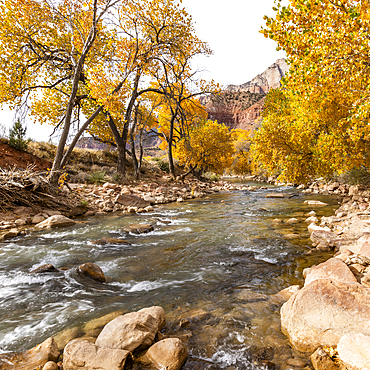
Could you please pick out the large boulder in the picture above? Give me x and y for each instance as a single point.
(168, 353)
(31, 359)
(354, 350)
(55, 221)
(131, 201)
(80, 354)
(333, 269)
(130, 331)
(322, 312)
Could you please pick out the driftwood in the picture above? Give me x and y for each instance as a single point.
(28, 188)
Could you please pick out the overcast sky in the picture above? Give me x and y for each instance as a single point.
(232, 30)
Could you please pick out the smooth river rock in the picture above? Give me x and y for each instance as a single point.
(130, 331)
(168, 353)
(322, 312)
(31, 359)
(354, 350)
(55, 221)
(92, 271)
(138, 228)
(333, 269)
(80, 354)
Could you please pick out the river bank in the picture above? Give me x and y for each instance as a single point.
(248, 300)
(330, 316)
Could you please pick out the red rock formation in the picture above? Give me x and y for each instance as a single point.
(240, 106)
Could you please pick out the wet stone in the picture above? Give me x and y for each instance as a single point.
(44, 268)
(92, 271)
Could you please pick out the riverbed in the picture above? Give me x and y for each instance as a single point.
(215, 263)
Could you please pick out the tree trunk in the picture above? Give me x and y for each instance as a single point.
(121, 145)
(170, 155)
(56, 168)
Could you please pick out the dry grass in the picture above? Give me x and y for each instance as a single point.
(84, 162)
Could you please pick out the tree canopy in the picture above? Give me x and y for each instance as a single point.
(318, 123)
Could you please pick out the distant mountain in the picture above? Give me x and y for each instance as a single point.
(240, 106)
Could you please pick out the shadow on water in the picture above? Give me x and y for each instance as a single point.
(215, 266)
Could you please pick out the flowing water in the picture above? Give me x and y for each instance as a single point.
(215, 264)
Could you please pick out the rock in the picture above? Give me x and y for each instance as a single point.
(315, 203)
(11, 233)
(55, 221)
(38, 218)
(109, 185)
(365, 281)
(51, 212)
(20, 222)
(312, 227)
(81, 354)
(44, 268)
(158, 313)
(322, 361)
(168, 353)
(149, 198)
(50, 365)
(311, 220)
(100, 322)
(92, 271)
(325, 236)
(322, 312)
(131, 201)
(353, 190)
(107, 240)
(286, 293)
(312, 214)
(333, 269)
(89, 213)
(357, 259)
(64, 337)
(130, 331)
(275, 195)
(138, 228)
(292, 236)
(292, 221)
(31, 359)
(295, 362)
(354, 350)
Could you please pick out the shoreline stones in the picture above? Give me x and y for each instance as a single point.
(29, 360)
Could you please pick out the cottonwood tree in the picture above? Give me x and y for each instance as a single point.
(159, 33)
(47, 48)
(323, 126)
(209, 146)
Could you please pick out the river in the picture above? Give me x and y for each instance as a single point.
(216, 261)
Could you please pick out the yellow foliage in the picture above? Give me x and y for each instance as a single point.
(209, 146)
(318, 124)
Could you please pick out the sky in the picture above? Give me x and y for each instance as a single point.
(231, 29)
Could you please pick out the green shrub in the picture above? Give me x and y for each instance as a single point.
(164, 166)
(98, 177)
(117, 177)
(17, 136)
